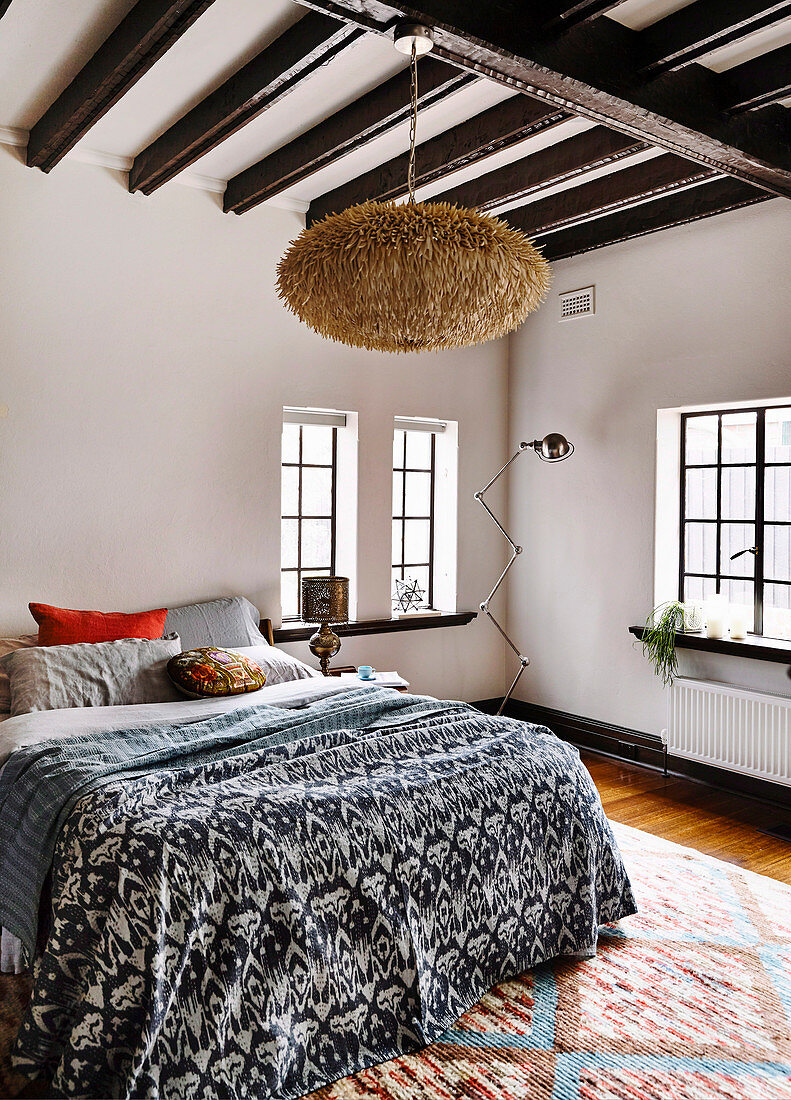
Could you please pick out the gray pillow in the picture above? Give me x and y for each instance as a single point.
(228, 622)
(91, 674)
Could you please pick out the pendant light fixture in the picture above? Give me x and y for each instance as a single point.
(412, 276)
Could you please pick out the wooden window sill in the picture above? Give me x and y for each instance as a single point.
(300, 632)
(754, 647)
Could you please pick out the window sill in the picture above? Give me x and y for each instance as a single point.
(299, 632)
(757, 649)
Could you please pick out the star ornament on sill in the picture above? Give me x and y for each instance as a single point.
(408, 596)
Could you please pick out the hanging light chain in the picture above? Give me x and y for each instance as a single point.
(412, 129)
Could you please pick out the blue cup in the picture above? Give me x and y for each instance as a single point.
(366, 672)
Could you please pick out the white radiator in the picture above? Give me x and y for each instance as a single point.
(743, 731)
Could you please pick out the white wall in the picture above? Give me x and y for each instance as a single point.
(144, 363)
(694, 315)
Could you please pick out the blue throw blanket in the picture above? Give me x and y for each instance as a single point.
(40, 784)
(260, 904)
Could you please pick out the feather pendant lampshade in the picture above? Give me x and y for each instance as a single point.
(413, 276)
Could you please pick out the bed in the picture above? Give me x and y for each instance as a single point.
(255, 896)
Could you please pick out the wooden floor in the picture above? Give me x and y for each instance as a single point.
(694, 814)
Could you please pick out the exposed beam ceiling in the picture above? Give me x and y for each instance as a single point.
(557, 14)
(594, 70)
(761, 81)
(717, 197)
(312, 42)
(363, 120)
(498, 128)
(639, 183)
(706, 25)
(558, 163)
(140, 39)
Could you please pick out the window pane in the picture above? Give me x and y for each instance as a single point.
(317, 443)
(418, 450)
(418, 494)
(738, 492)
(397, 547)
(398, 447)
(289, 503)
(740, 594)
(416, 541)
(777, 553)
(398, 488)
(777, 610)
(700, 555)
(736, 537)
(738, 437)
(699, 588)
(778, 493)
(316, 543)
(288, 543)
(291, 443)
(316, 492)
(701, 439)
(288, 595)
(778, 435)
(701, 494)
(421, 576)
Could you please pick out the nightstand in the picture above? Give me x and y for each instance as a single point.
(352, 669)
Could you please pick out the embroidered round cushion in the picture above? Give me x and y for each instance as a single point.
(213, 671)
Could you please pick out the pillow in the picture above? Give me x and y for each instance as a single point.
(230, 622)
(91, 674)
(211, 671)
(59, 626)
(278, 666)
(8, 645)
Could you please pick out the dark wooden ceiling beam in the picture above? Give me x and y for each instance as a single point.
(366, 118)
(706, 25)
(500, 127)
(140, 39)
(717, 197)
(639, 183)
(557, 15)
(560, 162)
(760, 82)
(593, 70)
(280, 68)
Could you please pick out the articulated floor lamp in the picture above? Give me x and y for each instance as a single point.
(552, 448)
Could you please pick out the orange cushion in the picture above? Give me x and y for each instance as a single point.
(59, 626)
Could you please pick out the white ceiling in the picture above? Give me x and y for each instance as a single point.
(44, 43)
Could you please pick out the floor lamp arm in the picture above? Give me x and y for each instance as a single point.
(516, 550)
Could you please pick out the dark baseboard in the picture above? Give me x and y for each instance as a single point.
(639, 748)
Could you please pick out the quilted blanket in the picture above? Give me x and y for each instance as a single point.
(266, 921)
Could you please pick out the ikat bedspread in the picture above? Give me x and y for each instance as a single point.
(276, 914)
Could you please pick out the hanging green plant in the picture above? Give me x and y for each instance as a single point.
(659, 639)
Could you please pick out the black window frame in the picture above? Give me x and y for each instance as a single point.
(402, 565)
(311, 569)
(759, 521)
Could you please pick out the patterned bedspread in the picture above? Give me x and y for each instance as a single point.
(263, 923)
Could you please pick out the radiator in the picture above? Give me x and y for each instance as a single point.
(743, 731)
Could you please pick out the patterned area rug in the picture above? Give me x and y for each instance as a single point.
(689, 1000)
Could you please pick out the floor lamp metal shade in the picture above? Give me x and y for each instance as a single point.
(325, 600)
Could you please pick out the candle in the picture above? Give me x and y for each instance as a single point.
(740, 623)
(716, 611)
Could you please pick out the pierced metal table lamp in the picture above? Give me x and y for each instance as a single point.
(325, 600)
(552, 448)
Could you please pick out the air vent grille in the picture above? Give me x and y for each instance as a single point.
(578, 303)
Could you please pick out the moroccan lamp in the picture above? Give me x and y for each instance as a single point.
(325, 600)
